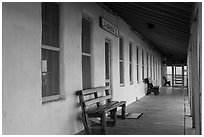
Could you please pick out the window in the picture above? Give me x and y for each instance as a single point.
(121, 61)
(86, 53)
(137, 64)
(142, 64)
(50, 52)
(151, 66)
(157, 69)
(147, 65)
(130, 63)
(107, 63)
(159, 74)
(156, 76)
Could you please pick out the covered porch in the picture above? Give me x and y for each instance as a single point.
(164, 114)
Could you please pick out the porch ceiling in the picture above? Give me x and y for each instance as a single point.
(166, 25)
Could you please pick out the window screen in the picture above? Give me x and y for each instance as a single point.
(86, 53)
(50, 49)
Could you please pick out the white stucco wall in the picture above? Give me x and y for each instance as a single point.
(23, 111)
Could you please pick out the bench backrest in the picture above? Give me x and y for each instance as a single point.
(97, 96)
(149, 85)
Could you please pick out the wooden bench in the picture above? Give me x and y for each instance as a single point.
(97, 103)
(151, 88)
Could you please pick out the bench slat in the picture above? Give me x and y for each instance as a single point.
(114, 106)
(97, 109)
(92, 101)
(93, 90)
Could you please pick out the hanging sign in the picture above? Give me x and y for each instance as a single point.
(104, 24)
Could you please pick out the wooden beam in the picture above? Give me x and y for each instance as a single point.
(148, 15)
(162, 29)
(178, 5)
(165, 8)
(157, 12)
(164, 11)
(126, 13)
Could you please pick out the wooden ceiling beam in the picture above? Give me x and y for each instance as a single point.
(149, 14)
(156, 12)
(162, 30)
(153, 20)
(178, 5)
(163, 8)
(158, 24)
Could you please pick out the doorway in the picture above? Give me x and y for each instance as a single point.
(177, 75)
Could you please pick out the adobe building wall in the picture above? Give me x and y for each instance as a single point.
(23, 111)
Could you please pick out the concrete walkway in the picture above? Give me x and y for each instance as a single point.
(163, 114)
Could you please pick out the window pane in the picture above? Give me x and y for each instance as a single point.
(147, 65)
(50, 13)
(130, 52)
(121, 48)
(121, 73)
(50, 24)
(169, 69)
(130, 71)
(86, 71)
(137, 72)
(50, 77)
(86, 35)
(107, 60)
(142, 64)
(137, 55)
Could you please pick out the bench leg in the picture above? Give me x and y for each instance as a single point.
(103, 123)
(123, 111)
(114, 116)
(86, 123)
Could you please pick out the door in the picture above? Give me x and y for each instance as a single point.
(178, 76)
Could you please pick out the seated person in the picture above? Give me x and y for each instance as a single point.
(151, 88)
(166, 82)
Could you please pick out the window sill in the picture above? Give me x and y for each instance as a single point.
(122, 85)
(50, 99)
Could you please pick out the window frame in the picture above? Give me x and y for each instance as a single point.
(142, 64)
(147, 67)
(121, 60)
(137, 63)
(131, 62)
(83, 53)
(51, 48)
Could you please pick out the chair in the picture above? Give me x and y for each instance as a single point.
(166, 82)
(151, 88)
